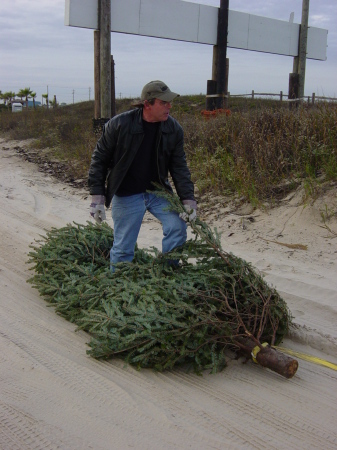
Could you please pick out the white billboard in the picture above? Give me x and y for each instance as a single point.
(183, 21)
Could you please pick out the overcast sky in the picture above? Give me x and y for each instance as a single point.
(38, 51)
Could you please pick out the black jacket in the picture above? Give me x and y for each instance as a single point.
(118, 145)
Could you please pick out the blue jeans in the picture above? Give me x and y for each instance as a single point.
(127, 215)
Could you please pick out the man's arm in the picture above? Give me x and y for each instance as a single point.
(179, 170)
(101, 159)
(100, 162)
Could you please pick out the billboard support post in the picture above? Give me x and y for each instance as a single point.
(221, 53)
(217, 87)
(113, 89)
(302, 52)
(105, 57)
(299, 66)
(97, 111)
(201, 24)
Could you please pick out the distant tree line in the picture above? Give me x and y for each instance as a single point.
(10, 97)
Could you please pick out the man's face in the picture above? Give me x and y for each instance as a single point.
(158, 112)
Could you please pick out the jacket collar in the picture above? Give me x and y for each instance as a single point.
(137, 123)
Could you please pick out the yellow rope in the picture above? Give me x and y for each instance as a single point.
(256, 350)
(309, 358)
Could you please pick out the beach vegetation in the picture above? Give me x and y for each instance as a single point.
(259, 152)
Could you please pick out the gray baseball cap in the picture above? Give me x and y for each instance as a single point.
(157, 89)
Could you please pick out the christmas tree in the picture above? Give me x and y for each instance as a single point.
(154, 314)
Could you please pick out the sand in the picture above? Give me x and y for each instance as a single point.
(54, 396)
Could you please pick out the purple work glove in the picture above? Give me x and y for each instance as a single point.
(97, 210)
(190, 213)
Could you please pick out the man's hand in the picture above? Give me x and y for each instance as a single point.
(97, 210)
(190, 213)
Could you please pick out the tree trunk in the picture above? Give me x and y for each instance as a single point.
(269, 357)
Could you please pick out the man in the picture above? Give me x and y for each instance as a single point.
(138, 148)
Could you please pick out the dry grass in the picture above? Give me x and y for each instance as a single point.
(261, 151)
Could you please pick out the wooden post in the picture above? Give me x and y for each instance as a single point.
(253, 93)
(218, 58)
(226, 99)
(281, 96)
(295, 64)
(313, 98)
(299, 63)
(302, 51)
(221, 53)
(113, 91)
(105, 57)
(211, 84)
(215, 63)
(293, 88)
(97, 111)
(211, 91)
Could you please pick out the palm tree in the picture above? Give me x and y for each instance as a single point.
(8, 97)
(53, 102)
(2, 97)
(46, 97)
(26, 92)
(33, 96)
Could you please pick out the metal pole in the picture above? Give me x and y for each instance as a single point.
(302, 52)
(105, 58)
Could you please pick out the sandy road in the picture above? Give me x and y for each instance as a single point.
(53, 396)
